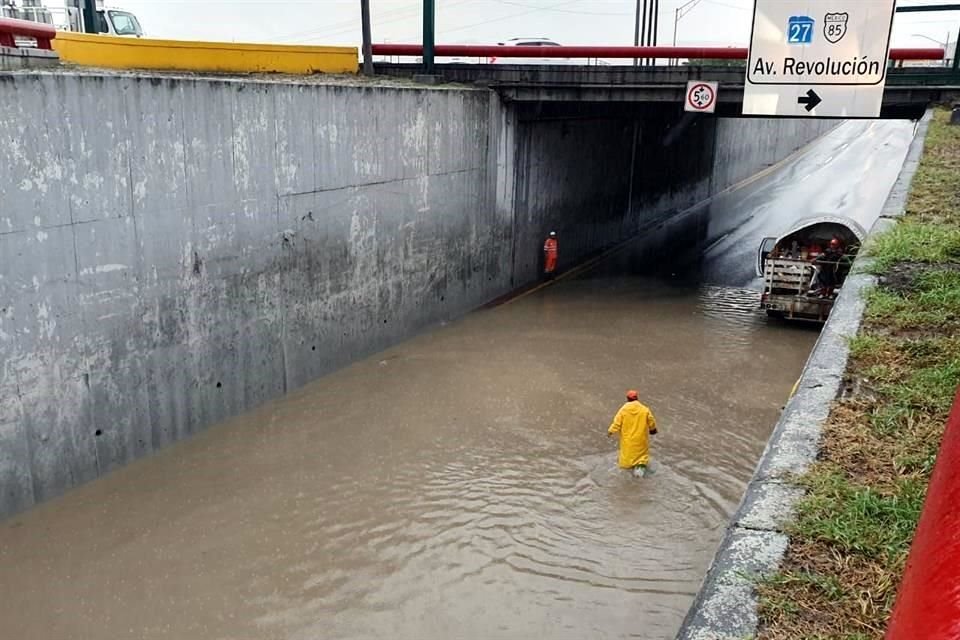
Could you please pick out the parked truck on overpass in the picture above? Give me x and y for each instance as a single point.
(67, 15)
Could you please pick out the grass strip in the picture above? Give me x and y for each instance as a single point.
(864, 494)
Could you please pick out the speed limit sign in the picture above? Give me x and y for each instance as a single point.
(701, 97)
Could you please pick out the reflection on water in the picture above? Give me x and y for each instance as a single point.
(459, 485)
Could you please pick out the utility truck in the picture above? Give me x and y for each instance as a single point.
(804, 269)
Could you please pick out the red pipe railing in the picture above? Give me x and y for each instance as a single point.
(11, 27)
(708, 53)
(928, 603)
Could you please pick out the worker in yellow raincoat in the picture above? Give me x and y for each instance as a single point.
(635, 423)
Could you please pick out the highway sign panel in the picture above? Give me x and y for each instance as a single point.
(818, 58)
(701, 97)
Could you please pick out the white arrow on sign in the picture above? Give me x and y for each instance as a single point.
(818, 58)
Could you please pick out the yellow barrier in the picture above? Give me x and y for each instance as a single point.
(183, 55)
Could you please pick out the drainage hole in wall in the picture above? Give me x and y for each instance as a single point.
(313, 348)
(219, 384)
(98, 432)
(442, 298)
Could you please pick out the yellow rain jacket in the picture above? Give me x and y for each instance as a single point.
(633, 422)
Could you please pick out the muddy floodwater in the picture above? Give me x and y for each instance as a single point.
(460, 485)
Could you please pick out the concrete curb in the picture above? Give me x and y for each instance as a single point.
(754, 543)
(15, 59)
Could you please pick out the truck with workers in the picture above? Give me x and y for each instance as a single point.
(804, 269)
(68, 15)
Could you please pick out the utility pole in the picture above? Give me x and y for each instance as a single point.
(429, 34)
(367, 38)
(90, 16)
(636, 26)
(652, 27)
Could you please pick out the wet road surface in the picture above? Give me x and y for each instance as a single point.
(459, 485)
(848, 173)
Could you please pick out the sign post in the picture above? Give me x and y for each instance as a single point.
(818, 58)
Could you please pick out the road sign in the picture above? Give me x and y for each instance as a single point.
(818, 58)
(701, 97)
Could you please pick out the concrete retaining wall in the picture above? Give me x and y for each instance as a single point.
(746, 146)
(176, 250)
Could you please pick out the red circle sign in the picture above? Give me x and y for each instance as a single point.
(701, 97)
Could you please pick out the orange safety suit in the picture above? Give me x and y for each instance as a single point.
(634, 422)
(550, 255)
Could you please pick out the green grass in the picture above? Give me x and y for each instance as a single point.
(915, 242)
(857, 518)
(933, 302)
(828, 586)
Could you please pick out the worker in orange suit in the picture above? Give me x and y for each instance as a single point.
(550, 254)
(635, 424)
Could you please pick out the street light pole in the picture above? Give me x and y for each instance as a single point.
(367, 38)
(934, 40)
(676, 21)
(429, 34)
(680, 12)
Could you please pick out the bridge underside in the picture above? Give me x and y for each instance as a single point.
(615, 90)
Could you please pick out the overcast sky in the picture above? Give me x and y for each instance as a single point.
(710, 22)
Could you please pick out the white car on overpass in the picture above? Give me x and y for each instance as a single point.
(532, 42)
(527, 42)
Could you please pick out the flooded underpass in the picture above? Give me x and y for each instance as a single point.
(458, 485)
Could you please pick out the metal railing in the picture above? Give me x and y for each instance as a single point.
(652, 53)
(10, 28)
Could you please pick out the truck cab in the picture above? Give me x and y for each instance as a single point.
(801, 278)
(67, 15)
(117, 22)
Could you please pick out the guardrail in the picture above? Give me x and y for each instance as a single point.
(653, 53)
(928, 603)
(11, 27)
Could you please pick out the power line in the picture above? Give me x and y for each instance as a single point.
(402, 13)
(349, 26)
(572, 11)
(729, 6)
(515, 15)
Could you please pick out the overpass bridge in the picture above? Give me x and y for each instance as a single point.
(908, 89)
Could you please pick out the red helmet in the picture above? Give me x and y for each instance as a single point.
(632, 395)
(835, 242)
